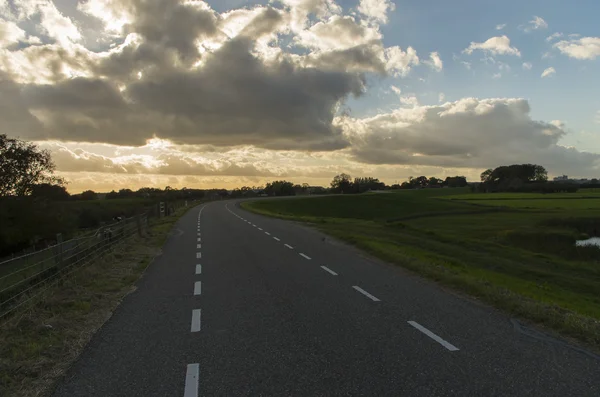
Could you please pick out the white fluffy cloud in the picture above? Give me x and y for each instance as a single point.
(10, 33)
(554, 36)
(583, 48)
(399, 62)
(537, 23)
(470, 133)
(376, 9)
(499, 45)
(337, 33)
(500, 26)
(527, 65)
(409, 100)
(56, 25)
(548, 72)
(435, 62)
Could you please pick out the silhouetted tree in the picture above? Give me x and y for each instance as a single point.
(48, 191)
(455, 181)
(341, 184)
(280, 188)
(22, 166)
(88, 195)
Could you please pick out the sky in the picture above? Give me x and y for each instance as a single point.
(227, 93)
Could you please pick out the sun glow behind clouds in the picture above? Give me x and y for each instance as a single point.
(158, 144)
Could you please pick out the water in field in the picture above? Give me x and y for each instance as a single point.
(592, 242)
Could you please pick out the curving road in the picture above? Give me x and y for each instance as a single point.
(240, 304)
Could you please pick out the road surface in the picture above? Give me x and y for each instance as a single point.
(240, 304)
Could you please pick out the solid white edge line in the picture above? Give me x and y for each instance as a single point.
(275, 238)
(433, 336)
(365, 293)
(289, 246)
(192, 379)
(329, 270)
(196, 320)
(198, 269)
(305, 256)
(198, 288)
(267, 233)
(198, 255)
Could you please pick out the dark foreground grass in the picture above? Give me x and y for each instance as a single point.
(37, 345)
(524, 262)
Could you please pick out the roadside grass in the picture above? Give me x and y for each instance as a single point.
(522, 261)
(37, 345)
(581, 203)
(587, 193)
(364, 206)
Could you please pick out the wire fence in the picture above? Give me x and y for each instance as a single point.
(27, 277)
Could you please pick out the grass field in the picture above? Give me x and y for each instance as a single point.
(590, 193)
(39, 343)
(549, 204)
(512, 250)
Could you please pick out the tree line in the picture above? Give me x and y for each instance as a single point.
(522, 178)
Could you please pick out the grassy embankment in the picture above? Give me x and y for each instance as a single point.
(39, 344)
(516, 252)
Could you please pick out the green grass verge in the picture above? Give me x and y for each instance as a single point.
(589, 193)
(37, 345)
(524, 262)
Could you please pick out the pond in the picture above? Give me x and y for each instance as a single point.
(594, 241)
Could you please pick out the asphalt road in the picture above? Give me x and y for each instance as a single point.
(240, 304)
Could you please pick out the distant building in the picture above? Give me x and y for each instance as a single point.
(566, 179)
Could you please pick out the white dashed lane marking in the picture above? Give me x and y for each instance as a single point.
(433, 336)
(196, 326)
(305, 256)
(329, 270)
(365, 293)
(198, 269)
(198, 255)
(198, 288)
(192, 379)
(275, 238)
(289, 246)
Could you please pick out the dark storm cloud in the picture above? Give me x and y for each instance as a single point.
(233, 99)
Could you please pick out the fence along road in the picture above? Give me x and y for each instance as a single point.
(26, 278)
